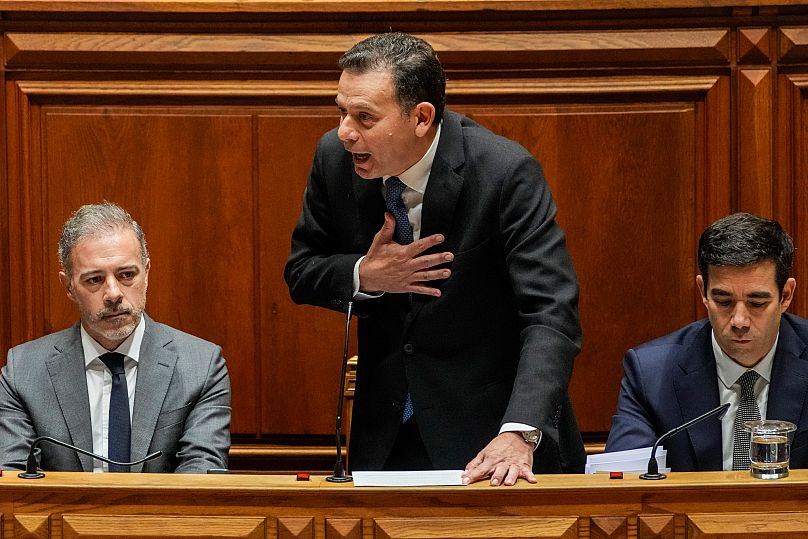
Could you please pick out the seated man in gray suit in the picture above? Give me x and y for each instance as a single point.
(118, 383)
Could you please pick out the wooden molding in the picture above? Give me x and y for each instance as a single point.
(793, 44)
(372, 6)
(631, 48)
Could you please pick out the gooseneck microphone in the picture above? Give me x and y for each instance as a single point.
(653, 467)
(339, 468)
(30, 466)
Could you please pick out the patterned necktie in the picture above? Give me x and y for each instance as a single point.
(395, 205)
(120, 430)
(403, 236)
(747, 411)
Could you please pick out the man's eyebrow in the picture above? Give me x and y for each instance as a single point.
(759, 295)
(719, 292)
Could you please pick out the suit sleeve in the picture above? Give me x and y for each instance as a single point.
(632, 425)
(16, 428)
(205, 441)
(316, 273)
(546, 289)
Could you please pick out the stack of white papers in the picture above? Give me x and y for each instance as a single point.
(631, 461)
(421, 478)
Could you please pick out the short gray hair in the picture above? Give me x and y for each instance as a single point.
(93, 220)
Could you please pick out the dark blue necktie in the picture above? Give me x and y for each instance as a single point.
(395, 205)
(120, 430)
(403, 236)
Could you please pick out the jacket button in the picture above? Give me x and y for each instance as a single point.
(409, 349)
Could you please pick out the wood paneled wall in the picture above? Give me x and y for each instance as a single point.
(201, 119)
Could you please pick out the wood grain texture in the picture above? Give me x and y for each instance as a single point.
(574, 506)
(318, 51)
(81, 526)
(755, 142)
(476, 527)
(283, 6)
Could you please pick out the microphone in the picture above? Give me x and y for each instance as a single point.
(653, 467)
(30, 466)
(339, 469)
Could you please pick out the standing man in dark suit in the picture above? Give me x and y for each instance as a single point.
(748, 342)
(444, 237)
(117, 383)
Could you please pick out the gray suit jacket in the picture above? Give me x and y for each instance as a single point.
(182, 403)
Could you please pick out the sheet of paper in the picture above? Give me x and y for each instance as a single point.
(420, 478)
(631, 461)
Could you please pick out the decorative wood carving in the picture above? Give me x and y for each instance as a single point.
(754, 45)
(78, 526)
(31, 526)
(343, 528)
(295, 528)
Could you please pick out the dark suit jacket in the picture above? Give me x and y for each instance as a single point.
(673, 379)
(182, 403)
(497, 346)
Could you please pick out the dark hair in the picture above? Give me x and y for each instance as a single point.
(93, 220)
(742, 239)
(417, 73)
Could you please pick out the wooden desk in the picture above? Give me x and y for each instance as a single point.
(708, 505)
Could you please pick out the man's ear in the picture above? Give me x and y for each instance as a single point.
(700, 289)
(788, 294)
(65, 280)
(424, 116)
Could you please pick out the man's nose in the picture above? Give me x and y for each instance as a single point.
(112, 290)
(740, 316)
(346, 131)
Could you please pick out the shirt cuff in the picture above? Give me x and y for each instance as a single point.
(520, 427)
(357, 295)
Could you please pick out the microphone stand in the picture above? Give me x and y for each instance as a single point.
(31, 468)
(339, 468)
(653, 466)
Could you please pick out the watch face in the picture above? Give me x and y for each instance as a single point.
(531, 436)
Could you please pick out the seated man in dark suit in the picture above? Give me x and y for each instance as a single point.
(117, 383)
(750, 354)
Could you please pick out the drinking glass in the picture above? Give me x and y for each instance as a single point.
(769, 447)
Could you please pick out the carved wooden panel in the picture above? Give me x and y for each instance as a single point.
(295, 528)
(476, 527)
(791, 160)
(75, 526)
(611, 527)
(31, 526)
(656, 527)
(205, 132)
(302, 345)
(754, 45)
(781, 525)
(343, 528)
(610, 167)
(755, 142)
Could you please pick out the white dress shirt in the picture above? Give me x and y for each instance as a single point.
(729, 391)
(99, 385)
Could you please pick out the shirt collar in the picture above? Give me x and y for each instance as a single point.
(129, 347)
(416, 176)
(729, 371)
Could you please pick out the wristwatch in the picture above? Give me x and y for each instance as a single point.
(532, 437)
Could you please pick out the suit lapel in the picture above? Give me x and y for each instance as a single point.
(696, 387)
(442, 193)
(154, 372)
(789, 384)
(445, 185)
(67, 373)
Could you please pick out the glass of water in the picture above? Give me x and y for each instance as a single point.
(769, 447)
